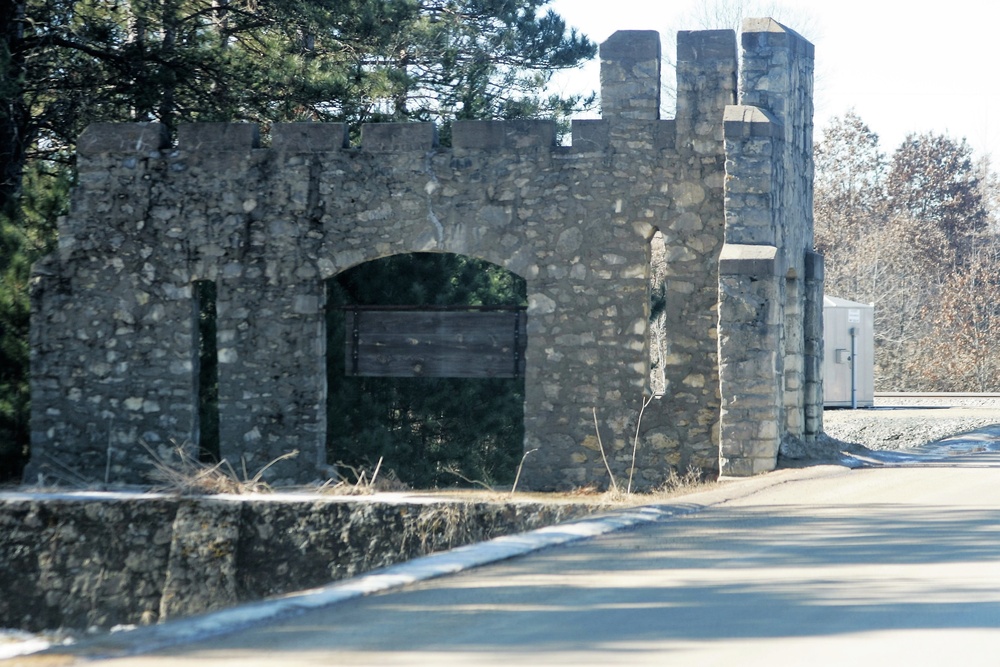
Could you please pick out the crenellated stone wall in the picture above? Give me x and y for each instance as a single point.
(633, 205)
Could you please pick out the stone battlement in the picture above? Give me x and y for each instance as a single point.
(467, 135)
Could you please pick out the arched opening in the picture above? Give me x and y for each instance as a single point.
(430, 431)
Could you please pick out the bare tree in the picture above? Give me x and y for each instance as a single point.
(962, 350)
(893, 234)
(934, 181)
(887, 266)
(849, 184)
(989, 192)
(729, 14)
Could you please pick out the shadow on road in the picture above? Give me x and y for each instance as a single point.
(742, 572)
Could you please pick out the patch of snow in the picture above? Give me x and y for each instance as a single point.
(15, 643)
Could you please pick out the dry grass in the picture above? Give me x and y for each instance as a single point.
(175, 470)
(363, 482)
(178, 471)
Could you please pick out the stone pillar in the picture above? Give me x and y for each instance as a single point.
(706, 85)
(113, 331)
(752, 274)
(813, 347)
(750, 363)
(270, 299)
(753, 176)
(272, 379)
(777, 75)
(201, 571)
(630, 75)
(683, 422)
(777, 82)
(794, 335)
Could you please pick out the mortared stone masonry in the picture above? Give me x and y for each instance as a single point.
(712, 210)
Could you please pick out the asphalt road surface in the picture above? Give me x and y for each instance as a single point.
(892, 565)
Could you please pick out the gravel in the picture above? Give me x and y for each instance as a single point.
(895, 423)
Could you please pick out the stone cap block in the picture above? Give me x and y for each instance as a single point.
(218, 136)
(737, 259)
(309, 137)
(706, 45)
(630, 75)
(100, 138)
(500, 134)
(766, 32)
(398, 137)
(631, 45)
(746, 122)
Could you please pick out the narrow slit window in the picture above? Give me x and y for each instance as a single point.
(208, 372)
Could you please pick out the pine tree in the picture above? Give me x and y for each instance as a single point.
(22, 240)
(67, 63)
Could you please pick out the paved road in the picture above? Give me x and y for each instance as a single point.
(883, 566)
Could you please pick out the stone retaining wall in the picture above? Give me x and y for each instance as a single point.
(99, 560)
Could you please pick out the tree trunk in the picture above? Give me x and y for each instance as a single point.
(167, 108)
(13, 112)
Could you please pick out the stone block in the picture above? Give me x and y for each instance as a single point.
(665, 134)
(504, 134)
(706, 45)
(526, 134)
(132, 138)
(749, 260)
(479, 135)
(743, 123)
(631, 46)
(759, 35)
(630, 75)
(398, 137)
(309, 137)
(218, 137)
(737, 467)
(591, 135)
(201, 575)
(814, 267)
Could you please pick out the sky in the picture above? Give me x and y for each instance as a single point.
(904, 68)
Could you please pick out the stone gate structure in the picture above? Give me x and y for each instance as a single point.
(711, 209)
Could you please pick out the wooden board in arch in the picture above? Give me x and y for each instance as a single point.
(422, 341)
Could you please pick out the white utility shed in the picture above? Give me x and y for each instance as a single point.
(849, 356)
